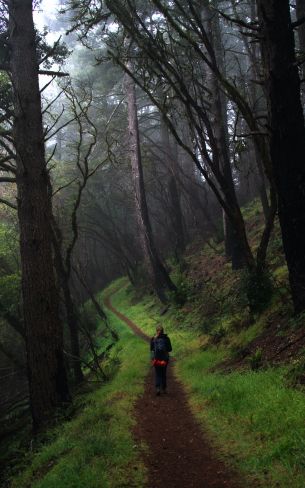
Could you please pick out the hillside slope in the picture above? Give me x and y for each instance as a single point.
(242, 368)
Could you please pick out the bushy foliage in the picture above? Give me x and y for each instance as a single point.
(218, 334)
(182, 293)
(10, 281)
(295, 376)
(255, 289)
(10, 292)
(255, 360)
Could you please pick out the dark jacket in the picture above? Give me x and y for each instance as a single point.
(160, 354)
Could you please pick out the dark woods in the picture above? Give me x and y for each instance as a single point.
(174, 115)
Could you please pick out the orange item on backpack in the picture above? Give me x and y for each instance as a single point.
(159, 362)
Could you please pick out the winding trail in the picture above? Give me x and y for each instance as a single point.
(178, 455)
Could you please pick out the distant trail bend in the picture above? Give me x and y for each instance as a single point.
(178, 454)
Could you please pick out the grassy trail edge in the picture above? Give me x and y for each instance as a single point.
(96, 448)
(254, 420)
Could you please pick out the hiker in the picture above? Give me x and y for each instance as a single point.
(160, 346)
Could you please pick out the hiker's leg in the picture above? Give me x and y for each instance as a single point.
(163, 384)
(158, 376)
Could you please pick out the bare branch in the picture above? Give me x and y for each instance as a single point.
(60, 74)
(47, 84)
(7, 149)
(48, 129)
(247, 25)
(5, 166)
(7, 179)
(253, 133)
(298, 22)
(46, 72)
(8, 204)
(51, 155)
(64, 186)
(59, 128)
(52, 102)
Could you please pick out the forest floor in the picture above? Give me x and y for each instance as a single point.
(178, 455)
(234, 413)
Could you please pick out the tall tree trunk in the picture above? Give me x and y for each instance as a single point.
(171, 161)
(257, 105)
(233, 246)
(287, 143)
(43, 328)
(158, 274)
(255, 63)
(194, 211)
(300, 11)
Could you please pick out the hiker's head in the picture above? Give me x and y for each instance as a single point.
(159, 330)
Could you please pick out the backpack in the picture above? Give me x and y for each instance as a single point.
(160, 348)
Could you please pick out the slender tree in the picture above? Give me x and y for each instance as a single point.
(219, 123)
(158, 274)
(175, 210)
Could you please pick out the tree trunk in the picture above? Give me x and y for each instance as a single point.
(175, 205)
(287, 145)
(300, 11)
(158, 274)
(43, 328)
(256, 107)
(233, 246)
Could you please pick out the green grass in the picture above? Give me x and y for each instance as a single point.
(96, 448)
(146, 314)
(253, 419)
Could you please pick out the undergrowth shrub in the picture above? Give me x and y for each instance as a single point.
(183, 290)
(256, 359)
(255, 290)
(239, 352)
(295, 376)
(218, 334)
(275, 250)
(297, 321)
(206, 326)
(241, 320)
(209, 302)
(10, 292)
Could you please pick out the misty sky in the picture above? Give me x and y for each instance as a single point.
(47, 15)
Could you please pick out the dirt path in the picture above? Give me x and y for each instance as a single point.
(178, 455)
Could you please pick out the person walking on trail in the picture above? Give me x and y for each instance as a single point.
(160, 347)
